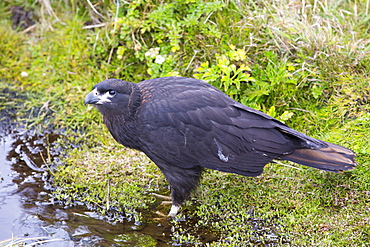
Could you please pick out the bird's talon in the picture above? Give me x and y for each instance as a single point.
(165, 203)
(162, 197)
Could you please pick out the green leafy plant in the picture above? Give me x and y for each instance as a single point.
(229, 73)
(257, 87)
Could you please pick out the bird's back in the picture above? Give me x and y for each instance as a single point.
(187, 123)
(172, 87)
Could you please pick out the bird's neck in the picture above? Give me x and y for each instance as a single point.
(122, 124)
(123, 131)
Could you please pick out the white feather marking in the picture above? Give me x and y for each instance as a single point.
(219, 152)
(184, 136)
(105, 98)
(278, 162)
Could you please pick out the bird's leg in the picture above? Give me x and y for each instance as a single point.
(182, 182)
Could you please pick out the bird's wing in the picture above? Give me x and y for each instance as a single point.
(207, 128)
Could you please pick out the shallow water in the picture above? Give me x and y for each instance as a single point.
(29, 214)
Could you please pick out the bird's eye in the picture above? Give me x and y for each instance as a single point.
(112, 92)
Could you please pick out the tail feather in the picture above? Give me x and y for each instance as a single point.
(333, 158)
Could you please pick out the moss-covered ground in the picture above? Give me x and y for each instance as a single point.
(304, 62)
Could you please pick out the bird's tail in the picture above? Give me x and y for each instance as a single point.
(333, 158)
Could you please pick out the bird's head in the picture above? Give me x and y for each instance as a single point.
(114, 96)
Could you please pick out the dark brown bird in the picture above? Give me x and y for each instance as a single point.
(185, 125)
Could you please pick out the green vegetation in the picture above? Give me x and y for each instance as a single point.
(304, 62)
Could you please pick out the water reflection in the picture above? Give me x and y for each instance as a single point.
(27, 210)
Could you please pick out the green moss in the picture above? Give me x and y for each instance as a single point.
(121, 178)
(136, 239)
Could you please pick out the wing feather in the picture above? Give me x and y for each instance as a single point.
(206, 128)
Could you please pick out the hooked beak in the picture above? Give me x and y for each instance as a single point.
(91, 98)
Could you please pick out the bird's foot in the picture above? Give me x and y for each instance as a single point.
(162, 197)
(165, 203)
(174, 209)
(173, 212)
